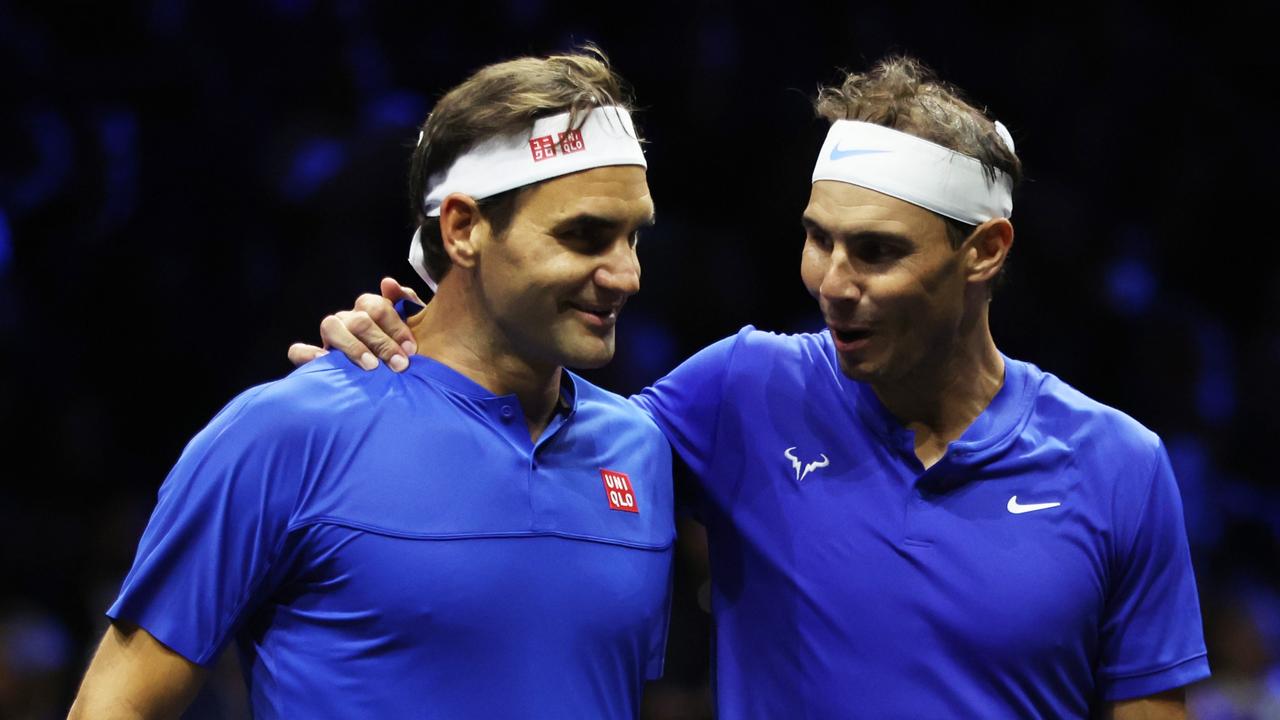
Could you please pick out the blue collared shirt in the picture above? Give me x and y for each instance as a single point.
(385, 545)
(1038, 569)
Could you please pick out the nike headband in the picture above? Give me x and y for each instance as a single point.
(548, 150)
(913, 169)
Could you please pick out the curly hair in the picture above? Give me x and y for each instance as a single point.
(902, 93)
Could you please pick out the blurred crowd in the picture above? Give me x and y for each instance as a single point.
(187, 187)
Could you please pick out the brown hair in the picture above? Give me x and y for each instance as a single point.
(902, 93)
(502, 99)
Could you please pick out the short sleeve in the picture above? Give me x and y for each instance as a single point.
(214, 539)
(1152, 637)
(686, 403)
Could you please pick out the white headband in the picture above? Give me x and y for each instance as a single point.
(547, 150)
(913, 169)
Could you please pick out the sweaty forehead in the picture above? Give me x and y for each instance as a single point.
(839, 207)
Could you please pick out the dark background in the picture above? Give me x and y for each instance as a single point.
(187, 187)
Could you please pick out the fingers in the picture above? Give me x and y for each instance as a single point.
(386, 324)
(368, 338)
(301, 353)
(392, 290)
(370, 331)
(336, 335)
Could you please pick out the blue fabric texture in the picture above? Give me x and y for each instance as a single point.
(849, 581)
(394, 545)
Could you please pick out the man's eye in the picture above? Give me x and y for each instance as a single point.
(585, 240)
(819, 239)
(874, 252)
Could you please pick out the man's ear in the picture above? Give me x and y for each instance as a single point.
(462, 229)
(989, 245)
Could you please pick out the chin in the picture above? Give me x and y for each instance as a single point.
(590, 354)
(860, 370)
(588, 361)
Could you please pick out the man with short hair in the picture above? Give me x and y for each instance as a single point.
(484, 535)
(902, 521)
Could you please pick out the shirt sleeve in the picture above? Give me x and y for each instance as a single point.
(1152, 639)
(214, 540)
(686, 403)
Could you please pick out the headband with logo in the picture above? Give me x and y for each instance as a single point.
(915, 170)
(547, 150)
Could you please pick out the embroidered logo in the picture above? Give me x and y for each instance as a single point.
(570, 142)
(543, 148)
(617, 487)
(547, 147)
(802, 471)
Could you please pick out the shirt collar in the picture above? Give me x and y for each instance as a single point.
(989, 434)
(441, 374)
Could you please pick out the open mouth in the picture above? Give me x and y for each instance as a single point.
(849, 336)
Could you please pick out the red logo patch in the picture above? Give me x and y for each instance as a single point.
(617, 487)
(571, 142)
(543, 147)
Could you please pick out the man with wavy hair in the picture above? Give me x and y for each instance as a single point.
(484, 534)
(904, 522)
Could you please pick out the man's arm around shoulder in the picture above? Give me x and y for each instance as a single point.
(134, 676)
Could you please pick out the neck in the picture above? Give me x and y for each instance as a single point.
(939, 399)
(455, 331)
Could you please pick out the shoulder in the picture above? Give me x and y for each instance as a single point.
(604, 409)
(782, 345)
(773, 363)
(328, 388)
(324, 395)
(1090, 428)
(748, 361)
(751, 350)
(279, 441)
(261, 447)
(1108, 462)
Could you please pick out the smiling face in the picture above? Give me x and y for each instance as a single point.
(555, 281)
(890, 285)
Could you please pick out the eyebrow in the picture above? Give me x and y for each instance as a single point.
(881, 235)
(588, 221)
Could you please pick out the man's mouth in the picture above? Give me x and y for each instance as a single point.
(850, 335)
(599, 315)
(850, 339)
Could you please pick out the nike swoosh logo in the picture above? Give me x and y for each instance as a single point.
(838, 154)
(1018, 508)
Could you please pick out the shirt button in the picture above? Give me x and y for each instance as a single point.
(508, 412)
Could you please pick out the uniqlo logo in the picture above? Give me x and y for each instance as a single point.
(618, 487)
(571, 142)
(543, 147)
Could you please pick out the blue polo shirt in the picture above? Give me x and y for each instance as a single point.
(385, 545)
(1039, 569)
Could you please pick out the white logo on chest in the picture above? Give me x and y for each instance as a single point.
(805, 469)
(1018, 508)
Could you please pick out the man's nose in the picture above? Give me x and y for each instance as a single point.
(841, 282)
(620, 271)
